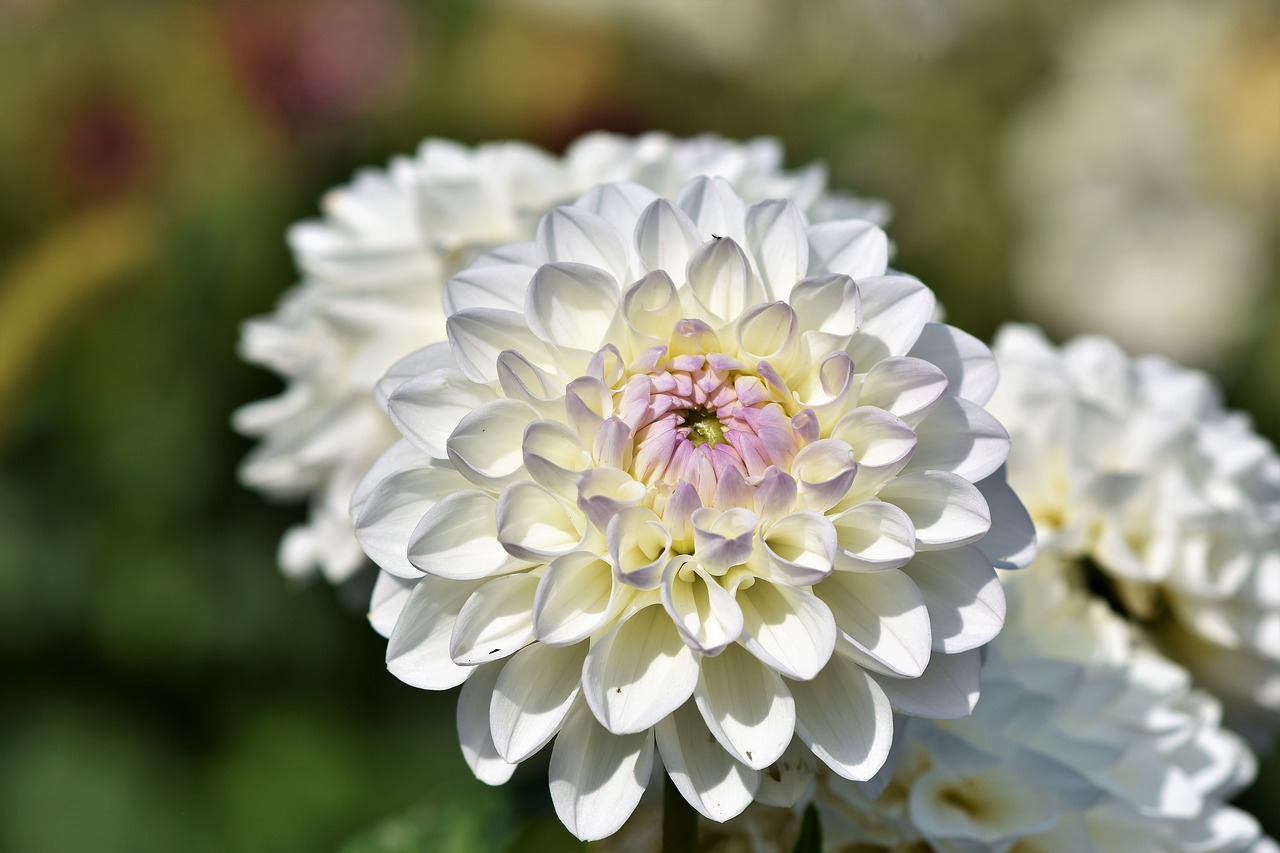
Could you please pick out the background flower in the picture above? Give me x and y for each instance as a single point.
(638, 500)
(1150, 492)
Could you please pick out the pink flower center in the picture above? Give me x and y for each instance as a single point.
(695, 417)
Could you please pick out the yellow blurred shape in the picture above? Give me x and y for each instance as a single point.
(45, 289)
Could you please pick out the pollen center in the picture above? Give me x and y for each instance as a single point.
(704, 427)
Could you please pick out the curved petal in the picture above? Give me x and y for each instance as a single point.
(523, 380)
(800, 548)
(851, 247)
(948, 689)
(715, 784)
(390, 513)
(571, 305)
(746, 706)
(714, 207)
(597, 778)
(418, 651)
(963, 593)
(872, 537)
(487, 447)
(882, 445)
(969, 364)
(945, 509)
(639, 545)
(787, 628)
(390, 594)
(473, 727)
(721, 281)
(534, 524)
(824, 472)
(895, 309)
(845, 718)
(531, 698)
(605, 492)
(639, 672)
(903, 386)
(500, 286)
(1011, 542)
(882, 615)
(478, 336)
(723, 539)
(555, 456)
(457, 538)
(496, 621)
(960, 437)
(576, 597)
(574, 235)
(665, 237)
(776, 234)
(704, 613)
(427, 408)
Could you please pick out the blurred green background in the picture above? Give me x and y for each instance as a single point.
(164, 687)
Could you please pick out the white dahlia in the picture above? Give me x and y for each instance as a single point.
(692, 472)
(373, 270)
(1154, 495)
(1084, 740)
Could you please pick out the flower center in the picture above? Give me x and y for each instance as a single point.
(703, 427)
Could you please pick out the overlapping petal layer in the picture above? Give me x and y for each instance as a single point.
(712, 482)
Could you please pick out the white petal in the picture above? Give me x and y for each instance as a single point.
(800, 548)
(651, 308)
(531, 698)
(789, 629)
(496, 621)
(426, 409)
(534, 524)
(571, 305)
(605, 492)
(947, 690)
(575, 598)
(555, 457)
(824, 472)
(390, 594)
(500, 286)
(523, 380)
(665, 237)
(946, 510)
(639, 545)
(619, 203)
(776, 233)
(873, 536)
(895, 309)
(487, 447)
(705, 775)
(902, 386)
(393, 509)
(882, 445)
(640, 672)
(457, 538)
(723, 539)
(960, 437)
(883, 616)
(850, 247)
(574, 235)
(479, 335)
(746, 706)
(1011, 542)
(791, 778)
(714, 208)
(473, 727)
(965, 600)
(827, 303)
(968, 363)
(845, 718)
(418, 651)
(597, 778)
(721, 281)
(703, 611)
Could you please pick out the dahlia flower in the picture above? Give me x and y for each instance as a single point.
(373, 270)
(1145, 488)
(1085, 740)
(696, 476)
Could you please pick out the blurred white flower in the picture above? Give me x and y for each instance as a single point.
(1149, 490)
(1146, 174)
(1084, 740)
(373, 270)
(695, 472)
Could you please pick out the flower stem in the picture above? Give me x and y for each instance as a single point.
(679, 821)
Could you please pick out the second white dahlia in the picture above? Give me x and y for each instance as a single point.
(696, 476)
